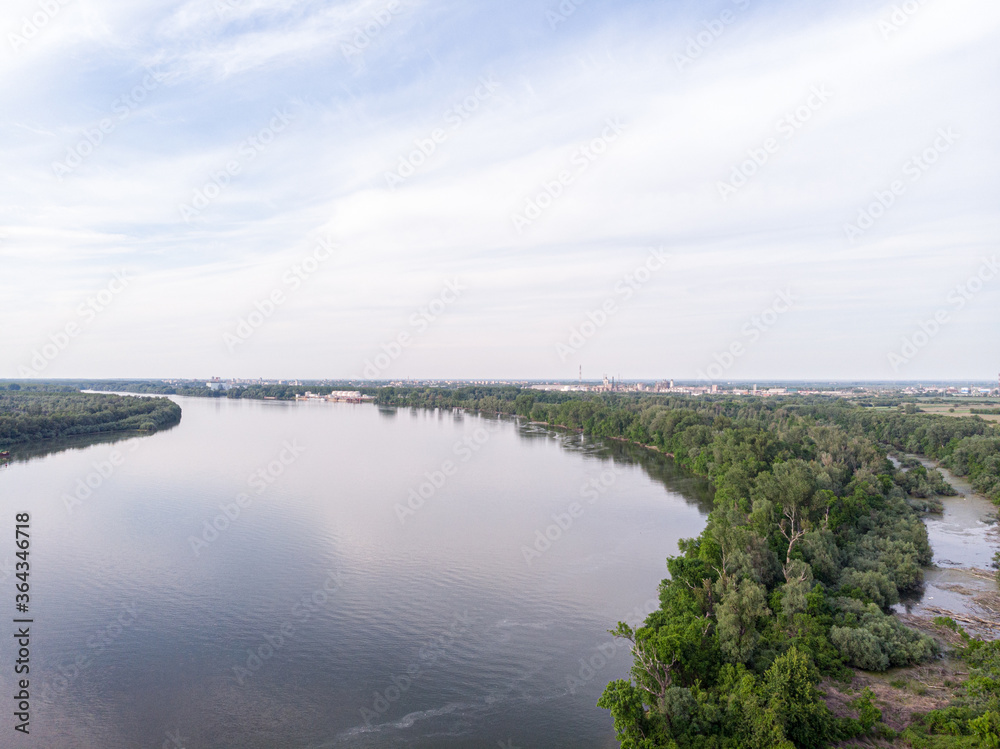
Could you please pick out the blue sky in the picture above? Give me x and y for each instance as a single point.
(539, 158)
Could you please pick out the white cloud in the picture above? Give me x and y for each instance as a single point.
(657, 184)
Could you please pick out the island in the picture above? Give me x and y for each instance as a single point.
(44, 413)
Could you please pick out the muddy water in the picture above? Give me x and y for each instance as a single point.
(964, 539)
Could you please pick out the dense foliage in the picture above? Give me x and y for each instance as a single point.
(812, 538)
(968, 446)
(973, 717)
(28, 416)
(814, 535)
(965, 445)
(195, 389)
(161, 387)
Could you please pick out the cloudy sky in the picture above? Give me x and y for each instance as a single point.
(499, 189)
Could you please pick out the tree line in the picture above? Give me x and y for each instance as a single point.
(813, 537)
(30, 416)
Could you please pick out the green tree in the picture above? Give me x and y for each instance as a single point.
(790, 692)
(742, 607)
(632, 729)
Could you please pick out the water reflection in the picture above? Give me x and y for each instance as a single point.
(25, 453)
(695, 490)
(405, 579)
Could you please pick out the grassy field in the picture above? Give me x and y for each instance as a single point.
(964, 408)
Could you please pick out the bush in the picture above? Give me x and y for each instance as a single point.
(874, 586)
(874, 641)
(861, 648)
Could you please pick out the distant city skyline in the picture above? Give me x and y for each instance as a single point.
(418, 189)
(223, 383)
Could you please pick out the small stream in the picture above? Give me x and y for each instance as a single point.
(964, 539)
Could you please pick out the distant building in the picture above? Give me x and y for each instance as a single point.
(350, 396)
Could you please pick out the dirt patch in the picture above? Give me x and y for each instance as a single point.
(989, 602)
(944, 636)
(900, 694)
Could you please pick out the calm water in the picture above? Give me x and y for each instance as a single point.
(325, 612)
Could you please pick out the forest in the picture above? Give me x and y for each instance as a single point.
(814, 535)
(31, 416)
(192, 389)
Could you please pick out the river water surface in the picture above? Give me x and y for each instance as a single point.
(255, 577)
(964, 538)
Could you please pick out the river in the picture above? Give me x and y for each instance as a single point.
(307, 575)
(964, 538)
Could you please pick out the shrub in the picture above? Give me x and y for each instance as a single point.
(874, 641)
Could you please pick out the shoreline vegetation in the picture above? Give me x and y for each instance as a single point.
(32, 418)
(775, 626)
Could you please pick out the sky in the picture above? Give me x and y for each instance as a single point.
(733, 190)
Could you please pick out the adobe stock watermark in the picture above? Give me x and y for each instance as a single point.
(697, 44)
(122, 107)
(87, 486)
(224, 8)
(898, 17)
(956, 299)
(300, 613)
(563, 521)
(259, 480)
(32, 26)
(590, 667)
(174, 740)
(86, 313)
(787, 127)
(463, 449)
(552, 189)
(913, 169)
(264, 309)
(362, 36)
(97, 644)
(219, 179)
(454, 118)
(427, 655)
(752, 331)
(6, 570)
(561, 14)
(420, 321)
(629, 285)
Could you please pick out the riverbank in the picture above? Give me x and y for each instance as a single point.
(813, 537)
(961, 583)
(952, 570)
(38, 418)
(511, 670)
(788, 574)
(958, 586)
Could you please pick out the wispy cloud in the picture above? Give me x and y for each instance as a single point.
(227, 66)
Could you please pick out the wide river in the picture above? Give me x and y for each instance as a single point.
(311, 575)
